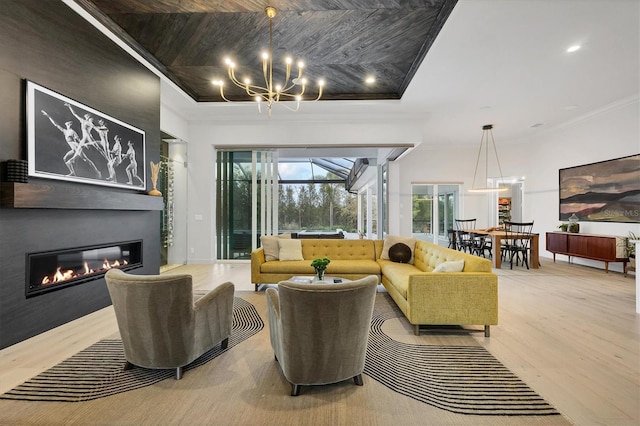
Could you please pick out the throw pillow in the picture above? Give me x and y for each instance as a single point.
(450, 266)
(394, 239)
(290, 249)
(400, 253)
(270, 245)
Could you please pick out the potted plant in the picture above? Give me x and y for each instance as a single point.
(563, 227)
(630, 248)
(320, 265)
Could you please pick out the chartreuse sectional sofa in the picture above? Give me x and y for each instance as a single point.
(427, 288)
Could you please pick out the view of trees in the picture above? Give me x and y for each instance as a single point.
(323, 206)
(422, 208)
(311, 206)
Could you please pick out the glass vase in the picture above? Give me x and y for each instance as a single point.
(320, 273)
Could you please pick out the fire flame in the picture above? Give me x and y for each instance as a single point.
(69, 274)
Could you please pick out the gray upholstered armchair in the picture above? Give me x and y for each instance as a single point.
(319, 332)
(160, 323)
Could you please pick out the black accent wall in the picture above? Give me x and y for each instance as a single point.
(50, 44)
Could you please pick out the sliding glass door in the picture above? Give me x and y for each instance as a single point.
(233, 201)
(247, 196)
(434, 207)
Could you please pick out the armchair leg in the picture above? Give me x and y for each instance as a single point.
(128, 366)
(358, 380)
(179, 372)
(224, 344)
(295, 390)
(416, 329)
(487, 331)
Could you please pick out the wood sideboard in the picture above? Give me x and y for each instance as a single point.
(587, 246)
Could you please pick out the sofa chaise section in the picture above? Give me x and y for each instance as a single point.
(469, 297)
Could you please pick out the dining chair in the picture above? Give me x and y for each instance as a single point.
(463, 237)
(481, 245)
(517, 241)
(451, 235)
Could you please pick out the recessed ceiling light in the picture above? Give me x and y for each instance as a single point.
(370, 79)
(573, 48)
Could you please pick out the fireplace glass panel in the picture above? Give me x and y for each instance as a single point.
(53, 270)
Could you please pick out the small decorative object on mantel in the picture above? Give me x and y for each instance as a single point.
(320, 265)
(155, 171)
(16, 171)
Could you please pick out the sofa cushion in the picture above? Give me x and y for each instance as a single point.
(290, 249)
(400, 253)
(293, 267)
(336, 267)
(270, 245)
(363, 266)
(338, 249)
(398, 274)
(391, 240)
(450, 266)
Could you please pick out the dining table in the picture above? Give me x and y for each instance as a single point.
(497, 235)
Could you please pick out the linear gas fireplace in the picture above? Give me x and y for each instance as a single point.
(54, 270)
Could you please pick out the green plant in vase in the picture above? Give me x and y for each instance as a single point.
(320, 265)
(630, 247)
(574, 226)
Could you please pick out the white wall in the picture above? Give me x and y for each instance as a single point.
(439, 164)
(605, 135)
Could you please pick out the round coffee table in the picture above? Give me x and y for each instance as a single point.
(312, 279)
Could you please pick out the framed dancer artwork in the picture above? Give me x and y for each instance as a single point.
(69, 141)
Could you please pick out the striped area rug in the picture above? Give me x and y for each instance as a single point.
(460, 379)
(97, 371)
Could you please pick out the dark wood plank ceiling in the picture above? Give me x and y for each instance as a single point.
(341, 41)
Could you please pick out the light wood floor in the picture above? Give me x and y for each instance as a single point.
(570, 332)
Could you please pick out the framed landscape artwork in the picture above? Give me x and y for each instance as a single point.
(607, 191)
(69, 141)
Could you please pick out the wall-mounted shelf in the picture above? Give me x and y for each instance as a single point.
(43, 196)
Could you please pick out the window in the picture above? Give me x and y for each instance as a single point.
(432, 221)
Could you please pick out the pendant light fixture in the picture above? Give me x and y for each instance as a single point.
(291, 89)
(484, 146)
